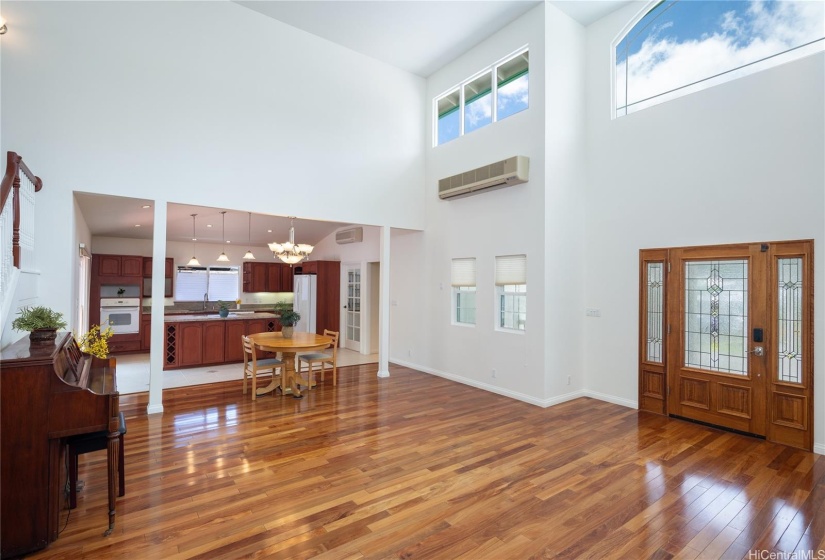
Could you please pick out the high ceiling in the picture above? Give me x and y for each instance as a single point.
(418, 36)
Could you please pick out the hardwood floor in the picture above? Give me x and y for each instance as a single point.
(415, 466)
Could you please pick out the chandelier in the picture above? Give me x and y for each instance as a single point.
(288, 251)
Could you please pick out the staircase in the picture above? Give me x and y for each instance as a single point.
(18, 282)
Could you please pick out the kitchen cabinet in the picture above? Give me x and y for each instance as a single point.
(218, 341)
(145, 332)
(168, 273)
(286, 278)
(279, 277)
(119, 265)
(255, 277)
(214, 333)
(190, 344)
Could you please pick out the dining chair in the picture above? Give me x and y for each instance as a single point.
(322, 358)
(253, 367)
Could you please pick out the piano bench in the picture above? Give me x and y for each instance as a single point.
(86, 443)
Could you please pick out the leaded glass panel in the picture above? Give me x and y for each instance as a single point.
(716, 319)
(654, 311)
(789, 322)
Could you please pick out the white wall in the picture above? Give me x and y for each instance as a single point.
(503, 222)
(204, 103)
(740, 162)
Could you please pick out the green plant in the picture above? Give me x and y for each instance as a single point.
(288, 315)
(222, 305)
(34, 318)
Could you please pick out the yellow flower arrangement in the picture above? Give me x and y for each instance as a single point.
(238, 301)
(95, 342)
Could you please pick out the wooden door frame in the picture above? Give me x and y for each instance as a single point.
(788, 407)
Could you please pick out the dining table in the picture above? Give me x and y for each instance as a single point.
(288, 348)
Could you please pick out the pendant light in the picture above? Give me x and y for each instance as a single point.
(193, 261)
(222, 257)
(249, 254)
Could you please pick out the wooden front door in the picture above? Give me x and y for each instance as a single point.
(735, 337)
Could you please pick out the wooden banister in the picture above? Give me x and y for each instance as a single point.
(11, 181)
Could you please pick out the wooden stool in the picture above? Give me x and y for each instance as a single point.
(86, 443)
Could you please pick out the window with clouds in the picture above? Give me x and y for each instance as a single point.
(682, 46)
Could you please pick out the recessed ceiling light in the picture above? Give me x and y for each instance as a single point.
(208, 225)
(146, 206)
(137, 225)
(269, 231)
(228, 241)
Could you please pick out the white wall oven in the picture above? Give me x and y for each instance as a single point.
(121, 314)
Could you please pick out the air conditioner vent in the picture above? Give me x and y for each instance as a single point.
(504, 173)
(351, 235)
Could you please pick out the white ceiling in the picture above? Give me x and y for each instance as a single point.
(419, 36)
(115, 216)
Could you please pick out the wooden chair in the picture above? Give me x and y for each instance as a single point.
(86, 443)
(253, 367)
(322, 358)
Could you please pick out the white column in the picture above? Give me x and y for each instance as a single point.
(384, 305)
(158, 288)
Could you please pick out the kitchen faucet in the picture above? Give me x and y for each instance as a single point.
(205, 300)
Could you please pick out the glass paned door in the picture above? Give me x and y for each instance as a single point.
(352, 333)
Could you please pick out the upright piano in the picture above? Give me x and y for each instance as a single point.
(48, 392)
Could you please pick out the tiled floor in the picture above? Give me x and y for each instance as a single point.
(133, 371)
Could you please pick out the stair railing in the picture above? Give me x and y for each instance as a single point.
(17, 201)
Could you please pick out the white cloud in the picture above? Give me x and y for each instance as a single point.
(664, 64)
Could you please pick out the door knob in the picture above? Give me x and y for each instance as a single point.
(758, 351)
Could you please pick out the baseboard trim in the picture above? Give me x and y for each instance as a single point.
(819, 448)
(543, 403)
(611, 399)
(154, 409)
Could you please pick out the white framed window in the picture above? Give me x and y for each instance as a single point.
(511, 292)
(494, 93)
(464, 291)
(678, 47)
(217, 283)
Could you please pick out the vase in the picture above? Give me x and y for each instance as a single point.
(287, 331)
(42, 336)
(223, 313)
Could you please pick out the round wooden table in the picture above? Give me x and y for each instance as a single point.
(300, 342)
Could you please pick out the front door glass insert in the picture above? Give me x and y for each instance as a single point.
(716, 315)
(789, 326)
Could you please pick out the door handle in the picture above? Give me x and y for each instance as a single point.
(758, 351)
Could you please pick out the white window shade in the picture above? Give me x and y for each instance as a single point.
(464, 272)
(223, 284)
(511, 270)
(190, 283)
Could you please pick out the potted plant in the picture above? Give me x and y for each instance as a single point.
(223, 309)
(41, 322)
(288, 317)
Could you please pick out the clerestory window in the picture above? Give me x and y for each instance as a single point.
(682, 46)
(492, 94)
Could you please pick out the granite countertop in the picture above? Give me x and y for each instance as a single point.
(233, 316)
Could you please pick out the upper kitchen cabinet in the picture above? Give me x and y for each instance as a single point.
(168, 273)
(119, 265)
(255, 277)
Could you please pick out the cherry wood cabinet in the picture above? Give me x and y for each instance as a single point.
(232, 347)
(254, 277)
(119, 265)
(327, 292)
(267, 277)
(190, 344)
(168, 270)
(214, 333)
(145, 332)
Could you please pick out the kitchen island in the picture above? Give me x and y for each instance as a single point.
(193, 340)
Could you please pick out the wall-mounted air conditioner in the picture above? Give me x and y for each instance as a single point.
(504, 173)
(351, 235)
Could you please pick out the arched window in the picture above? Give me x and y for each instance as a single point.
(681, 46)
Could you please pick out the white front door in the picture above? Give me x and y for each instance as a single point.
(352, 308)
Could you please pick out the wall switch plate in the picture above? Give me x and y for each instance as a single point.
(590, 312)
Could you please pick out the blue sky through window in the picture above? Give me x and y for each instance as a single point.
(512, 97)
(680, 42)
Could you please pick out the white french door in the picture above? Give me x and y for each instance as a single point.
(352, 308)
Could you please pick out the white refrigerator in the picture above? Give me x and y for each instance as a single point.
(304, 301)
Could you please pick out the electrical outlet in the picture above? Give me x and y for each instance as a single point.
(409, 352)
(593, 312)
(568, 379)
(493, 374)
